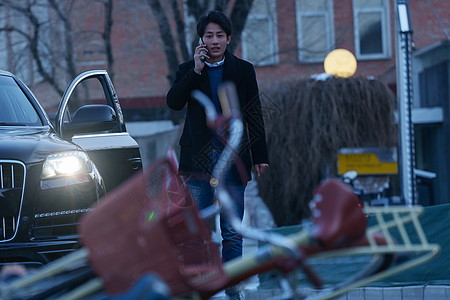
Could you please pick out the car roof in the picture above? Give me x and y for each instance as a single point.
(3, 72)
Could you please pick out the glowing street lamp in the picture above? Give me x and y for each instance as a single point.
(340, 63)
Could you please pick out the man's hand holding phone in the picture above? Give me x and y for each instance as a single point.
(200, 57)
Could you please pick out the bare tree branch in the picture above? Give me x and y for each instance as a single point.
(238, 18)
(166, 36)
(33, 40)
(43, 52)
(107, 28)
(180, 30)
(15, 29)
(71, 69)
(221, 5)
(195, 8)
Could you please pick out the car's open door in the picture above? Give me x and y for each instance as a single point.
(90, 116)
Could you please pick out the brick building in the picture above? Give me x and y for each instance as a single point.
(283, 38)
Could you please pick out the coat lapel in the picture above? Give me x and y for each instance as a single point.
(204, 84)
(232, 72)
(230, 68)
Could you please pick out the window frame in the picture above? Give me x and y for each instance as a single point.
(385, 31)
(273, 38)
(330, 34)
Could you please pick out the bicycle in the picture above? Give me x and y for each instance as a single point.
(161, 231)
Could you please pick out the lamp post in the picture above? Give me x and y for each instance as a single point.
(405, 97)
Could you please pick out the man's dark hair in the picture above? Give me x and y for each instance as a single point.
(214, 16)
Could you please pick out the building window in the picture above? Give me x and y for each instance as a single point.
(315, 29)
(259, 37)
(372, 35)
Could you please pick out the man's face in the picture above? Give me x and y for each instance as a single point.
(216, 41)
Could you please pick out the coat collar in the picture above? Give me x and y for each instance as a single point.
(230, 67)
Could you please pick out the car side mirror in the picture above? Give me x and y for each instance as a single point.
(91, 118)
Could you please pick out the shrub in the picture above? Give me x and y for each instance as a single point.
(315, 119)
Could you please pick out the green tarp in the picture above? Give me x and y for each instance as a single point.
(435, 222)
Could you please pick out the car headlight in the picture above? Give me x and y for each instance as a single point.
(66, 164)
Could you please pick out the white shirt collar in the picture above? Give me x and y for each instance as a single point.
(216, 64)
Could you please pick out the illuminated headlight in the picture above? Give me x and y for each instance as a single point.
(66, 164)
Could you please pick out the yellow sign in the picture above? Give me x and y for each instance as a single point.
(340, 62)
(365, 164)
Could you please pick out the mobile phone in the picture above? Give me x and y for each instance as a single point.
(200, 42)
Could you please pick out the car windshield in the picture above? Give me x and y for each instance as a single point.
(15, 107)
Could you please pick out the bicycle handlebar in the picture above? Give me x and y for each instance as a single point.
(230, 108)
(339, 226)
(210, 110)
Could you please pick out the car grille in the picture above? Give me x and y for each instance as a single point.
(12, 174)
(57, 224)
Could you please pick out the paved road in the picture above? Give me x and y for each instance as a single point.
(369, 293)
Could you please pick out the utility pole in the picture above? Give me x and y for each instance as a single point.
(404, 41)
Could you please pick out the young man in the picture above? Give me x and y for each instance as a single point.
(200, 149)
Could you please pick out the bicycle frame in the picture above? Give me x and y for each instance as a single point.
(265, 259)
(370, 244)
(339, 228)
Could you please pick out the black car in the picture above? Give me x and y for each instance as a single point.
(51, 174)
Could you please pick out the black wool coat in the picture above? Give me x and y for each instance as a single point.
(196, 137)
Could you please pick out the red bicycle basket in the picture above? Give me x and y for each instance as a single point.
(150, 224)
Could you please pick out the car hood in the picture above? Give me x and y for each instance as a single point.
(30, 144)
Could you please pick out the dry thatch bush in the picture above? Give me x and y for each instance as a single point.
(312, 121)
